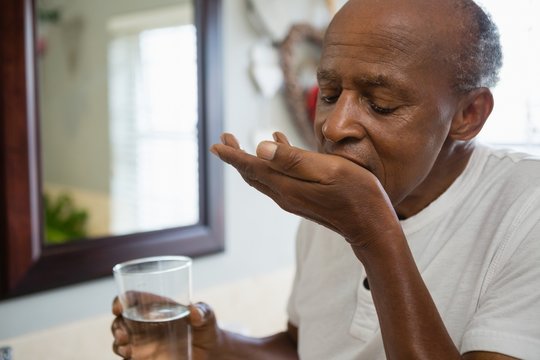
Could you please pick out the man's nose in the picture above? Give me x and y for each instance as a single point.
(344, 121)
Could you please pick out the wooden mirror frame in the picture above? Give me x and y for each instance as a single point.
(26, 265)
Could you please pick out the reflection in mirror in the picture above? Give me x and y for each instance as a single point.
(118, 110)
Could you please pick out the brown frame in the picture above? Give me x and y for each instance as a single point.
(26, 265)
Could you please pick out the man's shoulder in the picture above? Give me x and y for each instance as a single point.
(509, 189)
(511, 167)
(511, 158)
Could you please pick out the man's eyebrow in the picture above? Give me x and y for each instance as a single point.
(375, 81)
(327, 75)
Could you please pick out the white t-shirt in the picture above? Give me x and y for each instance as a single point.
(477, 247)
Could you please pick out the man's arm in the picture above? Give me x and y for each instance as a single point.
(212, 342)
(337, 193)
(279, 346)
(411, 326)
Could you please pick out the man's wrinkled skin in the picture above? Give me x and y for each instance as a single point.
(393, 135)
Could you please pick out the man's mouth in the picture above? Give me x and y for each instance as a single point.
(355, 160)
(352, 158)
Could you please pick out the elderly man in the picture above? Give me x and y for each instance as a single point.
(418, 243)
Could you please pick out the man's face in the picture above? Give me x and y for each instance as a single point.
(385, 101)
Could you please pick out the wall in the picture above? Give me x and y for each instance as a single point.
(259, 235)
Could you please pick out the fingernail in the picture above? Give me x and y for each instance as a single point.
(197, 319)
(213, 150)
(201, 312)
(266, 150)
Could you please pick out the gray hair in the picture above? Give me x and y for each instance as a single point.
(479, 58)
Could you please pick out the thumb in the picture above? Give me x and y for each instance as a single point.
(201, 315)
(117, 307)
(206, 334)
(295, 162)
(280, 138)
(267, 150)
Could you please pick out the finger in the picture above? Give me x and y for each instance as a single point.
(121, 337)
(263, 188)
(280, 138)
(269, 178)
(298, 163)
(117, 306)
(124, 351)
(115, 325)
(196, 316)
(291, 196)
(119, 331)
(230, 140)
(201, 315)
(121, 343)
(257, 172)
(242, 161)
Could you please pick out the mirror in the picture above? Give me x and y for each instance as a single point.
(117, 86)
(108, 108)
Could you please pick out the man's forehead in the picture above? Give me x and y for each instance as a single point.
(373, 57)
(402, 23)
(392, 51)
(399, 36)
(386, 7)
(396, 41)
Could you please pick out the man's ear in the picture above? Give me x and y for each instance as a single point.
(474, 109)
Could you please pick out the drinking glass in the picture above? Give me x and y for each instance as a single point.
(155, 293)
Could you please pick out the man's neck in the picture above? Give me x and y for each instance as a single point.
(449, 165)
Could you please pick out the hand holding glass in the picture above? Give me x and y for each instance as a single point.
(155, 293)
